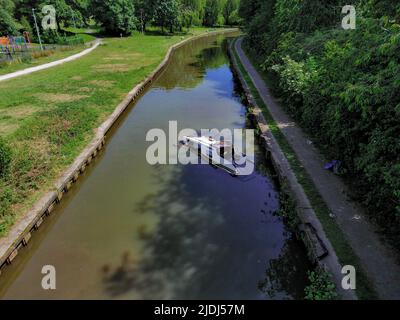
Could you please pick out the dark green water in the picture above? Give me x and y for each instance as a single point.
(129, 230)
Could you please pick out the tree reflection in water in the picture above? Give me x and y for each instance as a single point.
(206, 246)
(286, 274)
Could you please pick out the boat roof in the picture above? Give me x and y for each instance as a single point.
(211, 142)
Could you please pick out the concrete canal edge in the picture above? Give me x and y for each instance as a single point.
(319, 247)
(21, 232)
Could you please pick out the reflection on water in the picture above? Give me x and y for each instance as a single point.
(134, 231)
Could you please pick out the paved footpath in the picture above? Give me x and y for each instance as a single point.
(377, 259)
(8, 76)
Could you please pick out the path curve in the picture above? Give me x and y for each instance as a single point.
(50, 64)
(377, 259)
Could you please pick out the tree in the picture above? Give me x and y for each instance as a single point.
(67, 11)
(144, 11)
(211, 12)
(344, 94)
(116, 16)
(228, 11)
(166, 13)
(80, 12)
(249, 9)
(190, 10)
(8, 25)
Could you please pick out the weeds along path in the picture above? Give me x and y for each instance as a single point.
(23, 72)
(377, 260)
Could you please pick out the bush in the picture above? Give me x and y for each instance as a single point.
(8, 26)
(53, 37)
(321, 287)
(342, 87)
(5, 158)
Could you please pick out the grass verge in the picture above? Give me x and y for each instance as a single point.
(345, 253)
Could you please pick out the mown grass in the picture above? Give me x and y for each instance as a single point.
(345, 253)
(48, 117)
(87, 35)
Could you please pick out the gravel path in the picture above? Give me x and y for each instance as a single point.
(377, 259)
(23, 72)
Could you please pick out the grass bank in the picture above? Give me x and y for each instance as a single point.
(48, 117)
(343, 250)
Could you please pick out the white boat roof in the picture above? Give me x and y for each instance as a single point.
(210, 142)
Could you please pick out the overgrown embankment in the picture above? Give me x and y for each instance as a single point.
(342, 86)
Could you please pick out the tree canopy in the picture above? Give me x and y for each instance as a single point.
(342, 86)
(120, 16)
(116, 16)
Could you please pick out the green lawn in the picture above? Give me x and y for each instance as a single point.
(87, 35)
(48, 117)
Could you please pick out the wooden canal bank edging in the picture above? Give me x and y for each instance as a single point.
(21, 232)
(320, 249)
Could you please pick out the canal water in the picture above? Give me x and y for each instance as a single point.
(129, 230)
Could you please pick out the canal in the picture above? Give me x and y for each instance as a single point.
(129, 230)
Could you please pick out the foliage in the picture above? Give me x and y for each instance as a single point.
(8, 25)
(320, 287)
(288, 210)
(144, 11)
(120, 16)
(166, 13)
(211, 13)
(116, 16)
(342, 86)
(230, 11)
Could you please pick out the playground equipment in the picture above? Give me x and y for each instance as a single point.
(11, 45)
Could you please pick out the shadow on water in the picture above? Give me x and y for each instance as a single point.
(208, 247)
(284, 271)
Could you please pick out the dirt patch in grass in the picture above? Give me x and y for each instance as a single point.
(84, 89)
(76, 78)
(128, 56)
(103, 83)
(18, 112)
(60, 97)
(8, 128)
(117, 67)
(42, 146)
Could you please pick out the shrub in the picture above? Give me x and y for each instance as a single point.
(343, 88)
(321, 287)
